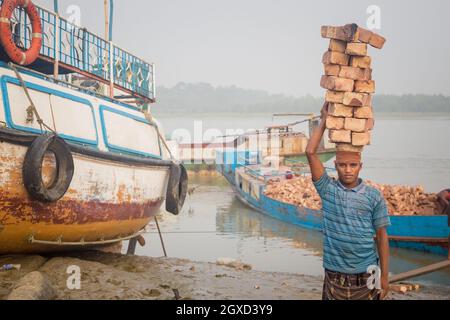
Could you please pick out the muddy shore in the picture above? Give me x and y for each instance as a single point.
(114, 276)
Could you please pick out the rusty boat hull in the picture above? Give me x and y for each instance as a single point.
(106, 200)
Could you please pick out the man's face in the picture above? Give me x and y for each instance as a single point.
(348, 171)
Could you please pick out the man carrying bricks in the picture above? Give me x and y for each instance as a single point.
(353, 213)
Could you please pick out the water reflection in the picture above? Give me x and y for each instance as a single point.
(214, 224)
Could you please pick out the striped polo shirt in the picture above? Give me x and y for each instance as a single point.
(350, 220)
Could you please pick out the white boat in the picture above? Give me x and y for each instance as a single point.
(78, 168)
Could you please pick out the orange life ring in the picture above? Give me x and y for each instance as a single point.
(16, 54)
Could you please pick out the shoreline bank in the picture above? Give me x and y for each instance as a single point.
(112, 276)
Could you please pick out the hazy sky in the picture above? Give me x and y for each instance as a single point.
(276, 45)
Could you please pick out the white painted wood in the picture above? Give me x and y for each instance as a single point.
(130, 133)
(74, 121)
(73, 118)
(94, 179)
(18, 103)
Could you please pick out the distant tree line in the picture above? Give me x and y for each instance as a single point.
(204, 98)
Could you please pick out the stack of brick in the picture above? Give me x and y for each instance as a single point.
(349, 84)
(400, 200)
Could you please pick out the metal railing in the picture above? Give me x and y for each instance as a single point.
(81, 51)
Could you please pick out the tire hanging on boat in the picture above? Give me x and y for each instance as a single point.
(32, 168)
(15, 53)
(176, 189)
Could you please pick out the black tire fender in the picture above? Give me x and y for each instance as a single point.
(32, 168)
(177, 188)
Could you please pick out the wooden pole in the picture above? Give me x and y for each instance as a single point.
(131, 247)
(105, 5)
(420, 271)
(160, 237)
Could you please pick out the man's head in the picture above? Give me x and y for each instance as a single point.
(348, 166)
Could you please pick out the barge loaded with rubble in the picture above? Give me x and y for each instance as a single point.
(420, 221)
(83, 162)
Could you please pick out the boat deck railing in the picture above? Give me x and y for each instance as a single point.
(68, 48)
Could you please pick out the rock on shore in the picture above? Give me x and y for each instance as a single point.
(115, 276)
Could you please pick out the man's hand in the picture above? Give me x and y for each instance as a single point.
(384, 287)
(383, 252)
(324, 111)
(316, 166)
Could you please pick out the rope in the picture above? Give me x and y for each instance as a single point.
(51, 109)
(31, 110)
(149, 118)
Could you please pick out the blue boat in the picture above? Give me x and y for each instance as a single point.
(418, 232)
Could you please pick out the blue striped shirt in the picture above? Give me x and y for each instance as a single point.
(350, 220)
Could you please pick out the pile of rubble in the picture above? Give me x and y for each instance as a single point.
(401, 200)
(407, 200)
(299, 191)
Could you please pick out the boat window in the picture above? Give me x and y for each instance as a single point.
(73, 119)
(70, 116)
(128, 133)
(17, 108)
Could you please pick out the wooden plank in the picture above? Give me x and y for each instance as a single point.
(428, 240)
(132, 247)
(420, 271)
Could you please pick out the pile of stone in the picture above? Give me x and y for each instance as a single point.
(299, 191)
(349, 84)
(400, 200)
(407, 200)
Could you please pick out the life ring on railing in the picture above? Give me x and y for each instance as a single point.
(15, 53)
(32, 168)
(177, 189)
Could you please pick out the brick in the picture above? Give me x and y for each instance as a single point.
(356, 99)
(337, 45)
(355, 73)
(340, 110)
(336, 84)
(367, 86)
(360, 62)
(356, 49)
(364, 35)
(356, 125)
(363, 113)
(332, 69)
(361, 138)
(340, 136)
(348, 33)
(377, 41)
(369, 37)
(334, 57)
(334, 96)
(370, 124)
(348, 147)
(334, 123)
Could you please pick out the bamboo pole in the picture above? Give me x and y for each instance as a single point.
(105, 7)
(420, 271)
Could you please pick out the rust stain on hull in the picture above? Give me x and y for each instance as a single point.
(15, 210)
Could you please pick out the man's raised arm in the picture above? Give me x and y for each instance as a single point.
(317, 168)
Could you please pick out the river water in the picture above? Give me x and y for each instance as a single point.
(215, 224)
